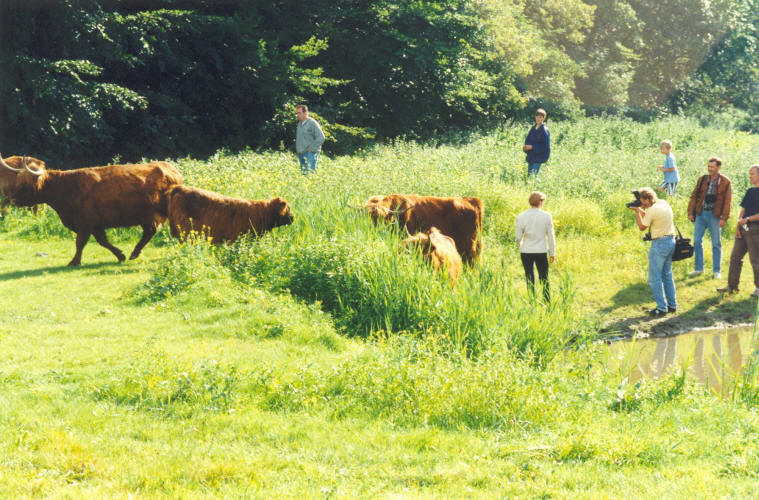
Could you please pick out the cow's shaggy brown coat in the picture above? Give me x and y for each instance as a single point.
(223, 218)
(439, 249)
(458, 218)
(90, 200)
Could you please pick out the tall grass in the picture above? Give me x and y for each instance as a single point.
(332, 255)
(335, 257)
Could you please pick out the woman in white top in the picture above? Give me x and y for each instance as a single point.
(534, 233)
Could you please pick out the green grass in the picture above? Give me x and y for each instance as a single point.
(318, 361)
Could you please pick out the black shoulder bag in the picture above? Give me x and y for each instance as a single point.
(683, 248)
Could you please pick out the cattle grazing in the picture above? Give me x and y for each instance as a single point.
(439, 249)
(458, 218)
(91, 200)
(8, 178)
(223, 218)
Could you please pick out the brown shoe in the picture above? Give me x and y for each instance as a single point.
(727, 289)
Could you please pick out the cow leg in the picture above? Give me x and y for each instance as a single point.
(81, 240)
(148, 231)
(101, 238)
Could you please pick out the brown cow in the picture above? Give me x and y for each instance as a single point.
(458, 218)
(439, 249)
(8, 177)
(90, 200)
(223, 218)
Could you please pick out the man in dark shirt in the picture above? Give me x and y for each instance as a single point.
(746, 237)
(537, 145)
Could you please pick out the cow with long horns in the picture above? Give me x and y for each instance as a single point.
(91, 200)
(8, 178)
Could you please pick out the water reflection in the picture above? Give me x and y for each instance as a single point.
(713, 357)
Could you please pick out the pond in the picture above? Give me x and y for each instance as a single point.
(713, 357)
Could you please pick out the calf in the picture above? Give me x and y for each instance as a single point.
(223, 218)
(439, 249)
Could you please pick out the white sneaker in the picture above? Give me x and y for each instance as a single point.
(717, 276)
(693, 274)
(755, 293)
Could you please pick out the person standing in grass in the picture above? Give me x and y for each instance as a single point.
(657, 215)
(537, 145)
(537, 244)
(746, 237)
(308, 140)
(669, 169)
(709, 208)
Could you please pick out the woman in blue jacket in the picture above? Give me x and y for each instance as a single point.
(538, 144)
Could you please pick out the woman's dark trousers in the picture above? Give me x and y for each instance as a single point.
(539, 260)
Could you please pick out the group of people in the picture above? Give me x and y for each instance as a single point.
(708, 209)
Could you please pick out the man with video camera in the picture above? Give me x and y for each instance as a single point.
(709, 208)
(656, 215)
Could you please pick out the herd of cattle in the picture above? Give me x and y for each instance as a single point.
(91, 200)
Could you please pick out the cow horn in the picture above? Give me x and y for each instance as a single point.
(2, 162)
(35, 172)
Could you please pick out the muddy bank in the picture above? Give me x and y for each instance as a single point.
(642, 325)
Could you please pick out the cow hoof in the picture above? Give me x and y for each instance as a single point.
(133, 256)
(74, 263)
(121, 257)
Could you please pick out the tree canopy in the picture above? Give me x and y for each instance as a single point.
(90, 80)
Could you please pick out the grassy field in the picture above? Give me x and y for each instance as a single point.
(318, 361)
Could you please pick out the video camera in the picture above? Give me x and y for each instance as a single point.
(636, 202)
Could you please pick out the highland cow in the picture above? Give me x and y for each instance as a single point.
(223, 218)
(8, 178)
(91, 200)
(457, 218)
(439, 249)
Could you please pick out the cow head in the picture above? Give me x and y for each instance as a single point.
(418, 242)
(384, 208)
(428, 241)
(20, 179)
(280, 211)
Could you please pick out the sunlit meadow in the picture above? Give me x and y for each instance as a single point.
(321, 361)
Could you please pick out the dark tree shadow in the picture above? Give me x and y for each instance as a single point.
(697, 315)
(638, 293)
(104, 267)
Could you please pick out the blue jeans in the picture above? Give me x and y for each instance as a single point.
(533, 169)
(706, 220)
(660, 272)
(308, 162)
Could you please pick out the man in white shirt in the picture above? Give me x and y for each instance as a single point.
(534, 233)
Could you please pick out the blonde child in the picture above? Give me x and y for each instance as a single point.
(669, 169)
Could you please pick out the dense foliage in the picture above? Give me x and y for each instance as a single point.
(88, 81)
